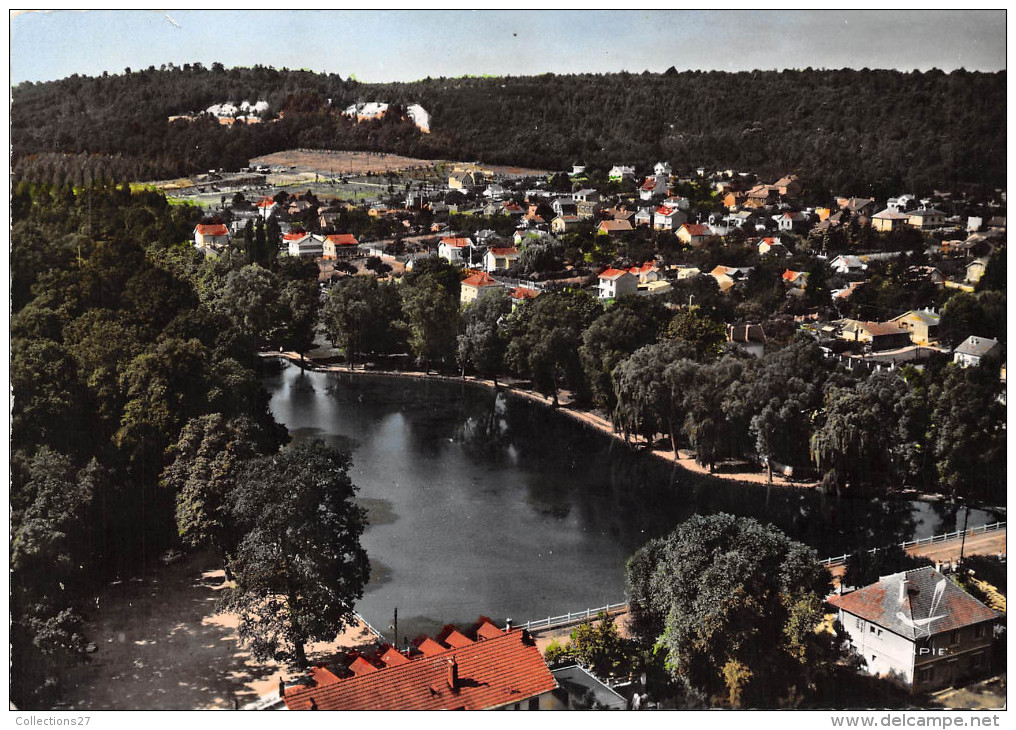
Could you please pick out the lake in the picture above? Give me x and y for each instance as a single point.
(491, 504)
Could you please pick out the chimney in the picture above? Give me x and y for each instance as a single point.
(282, 687)
(453, 674)
(508, 625)
(903, 590)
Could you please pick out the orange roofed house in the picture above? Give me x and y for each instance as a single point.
(482, 668)
(475, 286)
(211, 235)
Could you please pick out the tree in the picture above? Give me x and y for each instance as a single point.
(483, 341)
(250, 298)
(431, 315)
(299, 303)
(700, 330)
(546, 335)
(361, 315)
(205, 464)
(299, 566)
(628, 325)
(981, 314)
(859, 432)
(734, 603)
(648, 390)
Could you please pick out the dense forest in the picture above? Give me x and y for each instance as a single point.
(872, 132)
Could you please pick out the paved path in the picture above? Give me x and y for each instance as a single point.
(989, 543)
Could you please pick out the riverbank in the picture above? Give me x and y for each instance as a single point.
(684, 459)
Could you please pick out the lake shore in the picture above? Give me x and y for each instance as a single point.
(683, 458)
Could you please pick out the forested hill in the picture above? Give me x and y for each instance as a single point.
(850, 131)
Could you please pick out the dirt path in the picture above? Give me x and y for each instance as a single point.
(683, 458)
(162, 645)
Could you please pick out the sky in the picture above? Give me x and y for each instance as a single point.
(404, 45)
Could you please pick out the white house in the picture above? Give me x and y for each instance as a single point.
(620, 172)
(975, 350)
(662, 168)
(667, 219)
(211, 235)
(918, 627)
(616, 283)
(456, 250)
(305, 245)
(499, 259)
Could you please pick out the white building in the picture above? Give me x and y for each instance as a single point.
(456, 250)
(616, 283)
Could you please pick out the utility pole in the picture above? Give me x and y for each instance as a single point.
(963, 540)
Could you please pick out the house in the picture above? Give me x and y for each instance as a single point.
(211, 235)
(304, 245)
(615, 226)
(876, 335)
(578, 689)
(455, 250)
(792, 220)
(975, 270)
(586, 195)
(654, 288)
(267, 207)
(499, 259)
(901, 204)
(759, 197)
(771, 247)
(465, 179)
(614, 283)
(526, 237)
(475, 286)
(564, 223)
(662, 169)
(494, 192)
(647, 272)
(644, 217)
(924, 218)
(649, 188)
(693, 234)
(483, 668)
(676, 201)
(729, 276)
(521, 294)
(857, 206)
(687, 272)
(787, 186)
(339, 246)
(796, 279)
(750, 338)
(889, 220)
(667, 219)
(922, 323)
(619, 173)
(844, 264)
(733, 199)
(918, 627)
(564, 206)
(975, 350)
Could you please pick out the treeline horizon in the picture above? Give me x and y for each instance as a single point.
(871, 132)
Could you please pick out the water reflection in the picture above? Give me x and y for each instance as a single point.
(490, 504)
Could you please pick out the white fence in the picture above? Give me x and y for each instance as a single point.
(993, 527)
(569, 618)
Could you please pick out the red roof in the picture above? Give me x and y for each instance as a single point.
(266, 203)
(649, 184)
(212, 229)
(696, 229)
(480, 280)
(521, 292)
(294, 236)
(343, 239)
(456, 242)
(505, 251)
(501, 670)
(612, 273)
(664, 210)
(789, 275)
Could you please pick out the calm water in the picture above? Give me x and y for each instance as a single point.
(497, 506)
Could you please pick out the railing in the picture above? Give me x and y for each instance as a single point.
(568, 618)
(993, 527)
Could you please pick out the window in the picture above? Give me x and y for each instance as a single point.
(954, 637)
(859, 622)
(926, 675)
(534, 703)
(871, 628)
(977, 660)
(979, 631)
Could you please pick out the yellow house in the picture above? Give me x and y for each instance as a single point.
(476, 286)
(922, 323)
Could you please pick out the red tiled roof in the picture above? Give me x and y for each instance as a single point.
(451, 636)
(505, 251)
(428, 646)
(294, 236)
(789, 275)
(521, 292)
(612, 273)
(361, 666)
(615, 225)
(212, 229)
(649, 184)
(456, 242)
(664, 210)
(480, 280)
(343, 239)
(392, 658)
(906, 608)
(696, 229)
(266, 203)
(498, 671)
